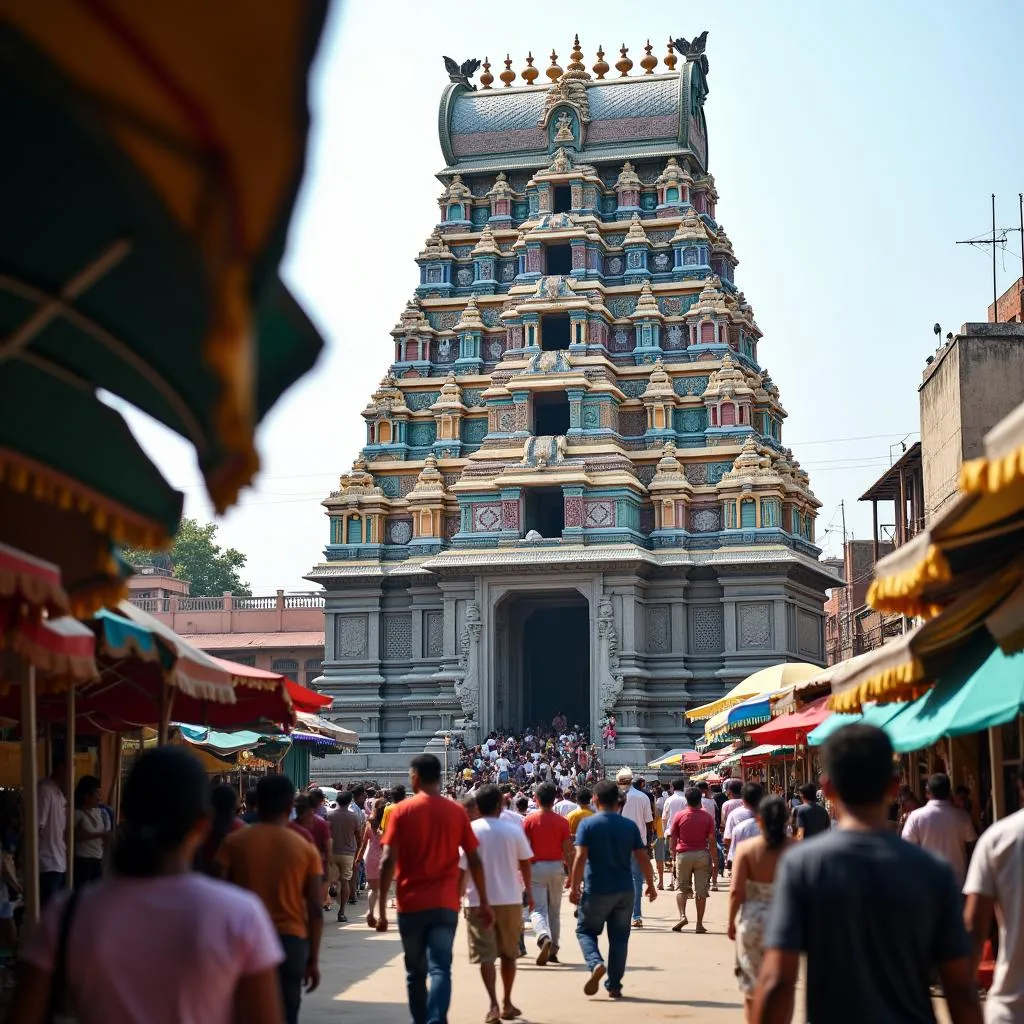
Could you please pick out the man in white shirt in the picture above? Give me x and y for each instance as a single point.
(637, 807)
(53, 844)
(734, 788)
(673, 805)
(995, 879)
(746, 813)
(503, 766)
(563, 805)
(942, 828)
(505, 854)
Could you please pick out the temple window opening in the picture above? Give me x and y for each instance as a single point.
(551, 414)
(559, 259)
(545, 511)
(455, 211)
(563, 199)
(672, 195)
(554, 332)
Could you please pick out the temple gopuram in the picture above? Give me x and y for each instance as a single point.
(574, 494)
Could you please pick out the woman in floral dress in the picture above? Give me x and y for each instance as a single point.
(750, 897)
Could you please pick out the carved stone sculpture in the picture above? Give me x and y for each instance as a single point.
(610, 682)
(467, 686)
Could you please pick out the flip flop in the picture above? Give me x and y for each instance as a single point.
(511, 1013)
(700, 930)
(492, 1017)
(594, 981)
(680, 925)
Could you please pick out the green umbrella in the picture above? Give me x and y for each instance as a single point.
(880, 715)
(158, 154)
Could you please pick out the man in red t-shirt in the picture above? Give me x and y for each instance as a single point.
(690, 836)
(551, 842)
(421, 844)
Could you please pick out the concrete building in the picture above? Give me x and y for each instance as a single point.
(280, 633)
(973, 381)
(574, 494)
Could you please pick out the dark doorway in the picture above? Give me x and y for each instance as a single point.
(559, 259)
(545, 511)
(563, 199)
(556, 664)
(550, 414)
(554, 332)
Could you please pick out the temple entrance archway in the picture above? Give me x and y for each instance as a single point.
(543, 664)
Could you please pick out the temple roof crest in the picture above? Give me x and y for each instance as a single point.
(429, 482)
(673, 174)
(435, 248)
(486, 246)
(628, 178)
(647, 305)
(636, 234)
(501, 189)
(470, 319)
(691, 228)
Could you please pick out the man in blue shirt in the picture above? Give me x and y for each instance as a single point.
(607, 845)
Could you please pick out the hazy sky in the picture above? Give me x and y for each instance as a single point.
(852, 145)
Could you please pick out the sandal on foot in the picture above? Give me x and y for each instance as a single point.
(511, 1012)
(493, 1016)
(700, 930)
(680, 924)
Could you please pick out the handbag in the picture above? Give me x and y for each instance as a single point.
(57, 1012)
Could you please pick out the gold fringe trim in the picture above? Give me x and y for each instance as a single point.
(904, 682)
(100, 595)
(108, 518)
(901, 592)
(228, 351)
(990, 476)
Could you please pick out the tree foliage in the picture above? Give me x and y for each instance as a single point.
(198, 558)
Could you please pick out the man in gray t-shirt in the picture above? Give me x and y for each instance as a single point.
(874, 915)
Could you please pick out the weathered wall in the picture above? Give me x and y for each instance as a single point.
(974, 382)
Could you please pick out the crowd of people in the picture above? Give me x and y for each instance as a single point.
(895, 898)
(559, 753)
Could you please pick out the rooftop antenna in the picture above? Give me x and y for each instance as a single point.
(996, 239)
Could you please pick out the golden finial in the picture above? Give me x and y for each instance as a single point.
(486, 78)
(530, 73)
(670, 58)
(554, 72)
(650, 62)
(508, 76)
(623, 64)
(601, 68)
(576, 57)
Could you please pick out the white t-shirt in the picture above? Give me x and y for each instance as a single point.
(638, 809)
(166, 950)
(711, 807)
(736, 817)
(94, 820)
(673, 805)
(502, 846)
(565, 807)
(943, 829)
(514, 816)
(742, 830)
(728, 807)
(997, 871)
(53, 818)
(502, 764)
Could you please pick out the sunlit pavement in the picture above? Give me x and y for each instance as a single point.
(670, 977)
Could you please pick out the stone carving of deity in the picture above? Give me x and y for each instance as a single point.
(675, 336)
(610, 686)
(467, 685)
(564, 133)
(615, 265)
(444, 349)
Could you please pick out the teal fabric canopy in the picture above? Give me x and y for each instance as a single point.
(979, 691)
(880, 715)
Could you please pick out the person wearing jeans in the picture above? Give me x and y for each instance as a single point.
(607, 846)
(422, 840)
(427, 940)
(636, 806)
(551, 843)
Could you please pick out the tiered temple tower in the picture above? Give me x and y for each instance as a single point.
(574, 494)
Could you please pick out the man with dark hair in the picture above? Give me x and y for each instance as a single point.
(252, 814)
(284, 870)
(346, 838)
(735, 829)
(810, 818)
(548, 834)
(941, 827)
(995, 881)
(583, 810)
(505, 854)
(608, 844)
(691, 835)
(306, 815)
(421, 845)
(862, 901)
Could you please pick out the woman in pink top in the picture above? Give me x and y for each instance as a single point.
(154, 943)
(370, 851)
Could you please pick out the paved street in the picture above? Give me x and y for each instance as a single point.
(670, 977)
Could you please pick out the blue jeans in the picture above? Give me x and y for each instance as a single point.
(427, 938)
(638, 889)
(595, 911)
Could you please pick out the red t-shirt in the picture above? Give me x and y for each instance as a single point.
(321, 833)
(690, 830)
(546, 832)
(304, 832)
(425, 834)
